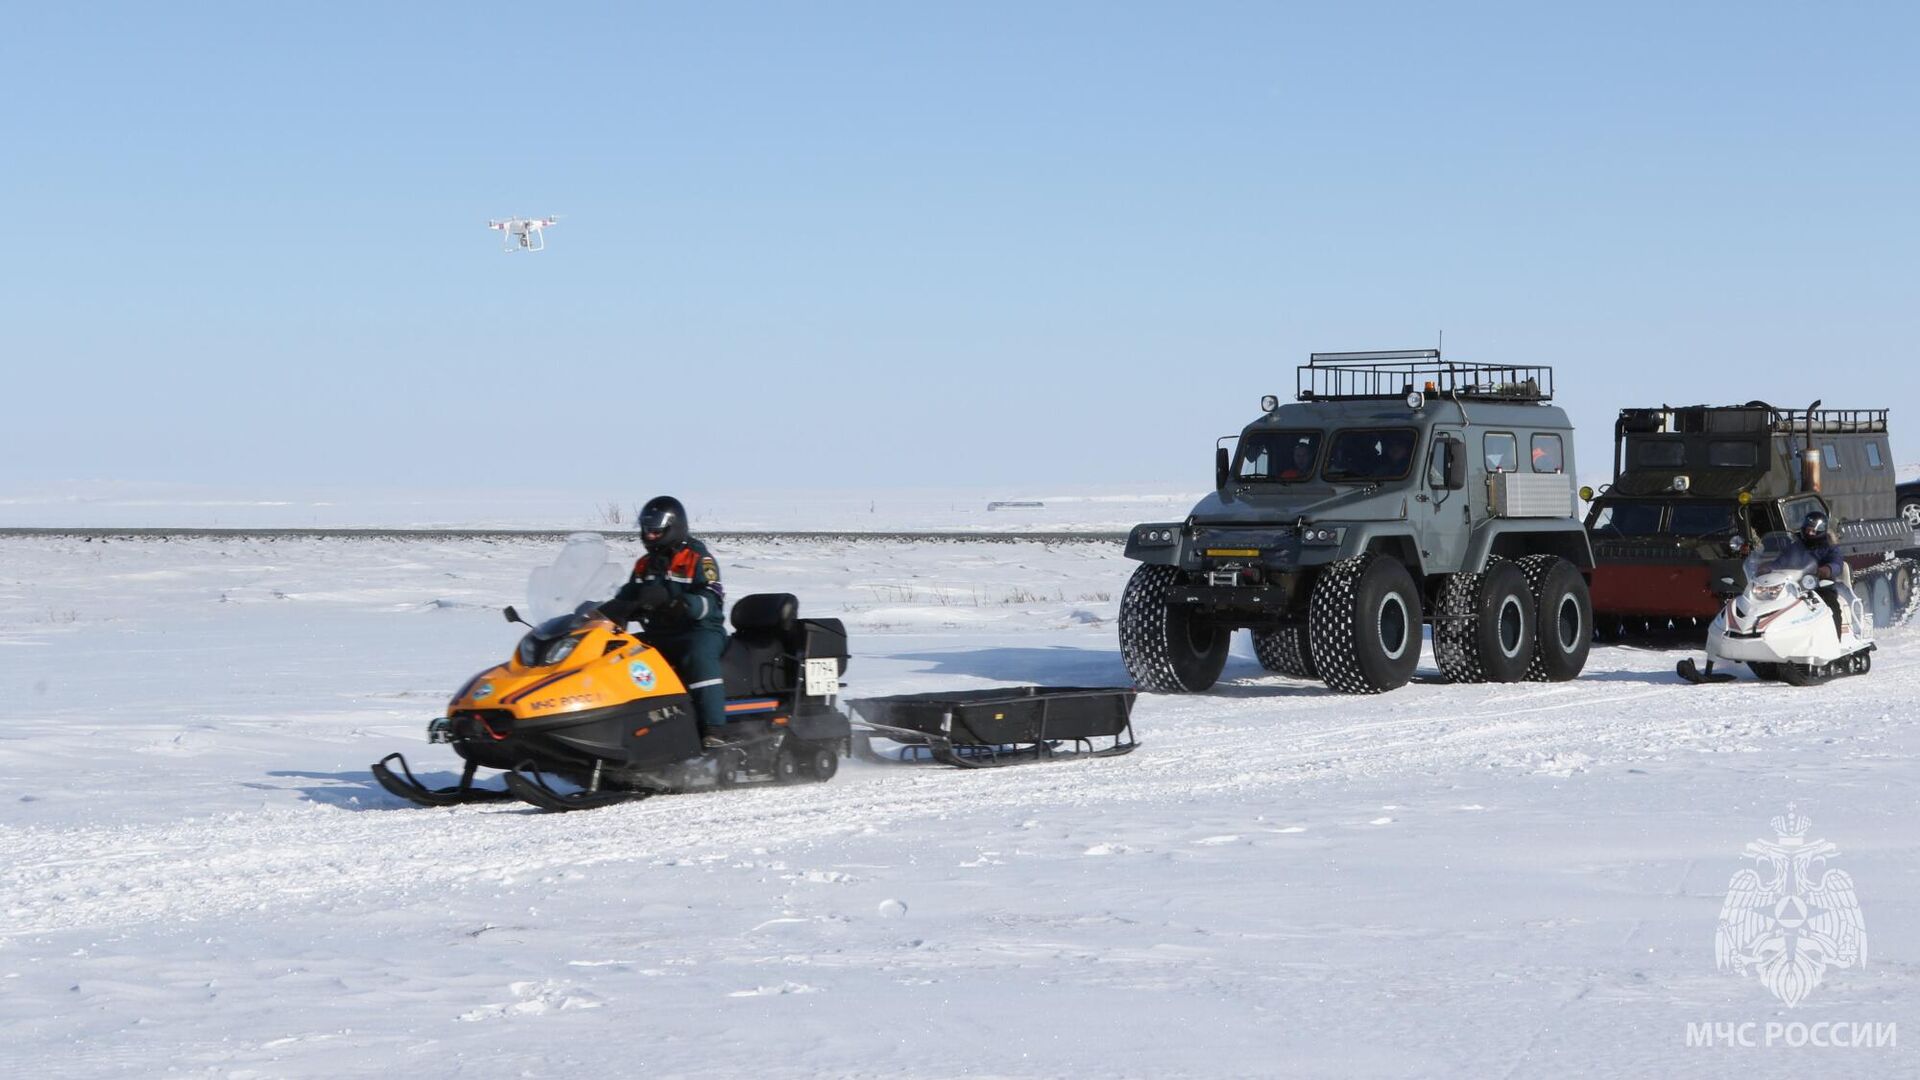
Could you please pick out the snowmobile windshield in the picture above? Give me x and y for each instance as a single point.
(1283, 457)
(552, 641)
(1377, 454)
(584, 570)
(1779, 552)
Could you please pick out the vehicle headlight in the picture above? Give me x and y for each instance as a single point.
(1155, 536)
(561, 649)
(1766, 592)
(1320, 535)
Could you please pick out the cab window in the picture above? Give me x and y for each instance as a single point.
(1874, 460)
(1796, 511)
(1830, 456)
(1628, 519)
(1546, 454)
(1702, 519)
(1371, 455)
(1503, 452)
(1285, 456)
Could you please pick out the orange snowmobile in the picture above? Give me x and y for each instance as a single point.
(585, 701)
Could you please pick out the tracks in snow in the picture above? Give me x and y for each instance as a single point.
(1260, 740)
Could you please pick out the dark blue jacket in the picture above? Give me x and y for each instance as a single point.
(1826, 555)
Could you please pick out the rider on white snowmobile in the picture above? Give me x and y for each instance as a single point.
(1816, 536)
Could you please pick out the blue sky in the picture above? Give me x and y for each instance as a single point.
(1044, 245)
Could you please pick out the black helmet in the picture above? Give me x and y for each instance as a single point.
(663, 525)
(1813, 528)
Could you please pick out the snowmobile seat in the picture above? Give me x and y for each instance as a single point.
(770, 639)
(759, 656)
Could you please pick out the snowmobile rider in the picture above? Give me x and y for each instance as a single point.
(1817, 538)
(675, 591)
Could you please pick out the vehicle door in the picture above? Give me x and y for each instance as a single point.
(1443, 517)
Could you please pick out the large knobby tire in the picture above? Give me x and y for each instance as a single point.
(1363, 623)
(1910, 512)
(1167, 648)
(1288, 650)
(1455, 618)
(1562, 618)
(1483, 629)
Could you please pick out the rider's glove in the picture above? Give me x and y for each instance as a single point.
(652, 596)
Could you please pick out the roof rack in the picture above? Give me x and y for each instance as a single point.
(1753, 417)
(1349, 376)
(1830, 421)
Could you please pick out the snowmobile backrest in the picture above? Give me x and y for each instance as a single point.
(823, 638)
(766, 614)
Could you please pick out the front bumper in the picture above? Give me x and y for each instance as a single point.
(1263, 600)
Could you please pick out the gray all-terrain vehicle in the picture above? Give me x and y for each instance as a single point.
(1398, 490)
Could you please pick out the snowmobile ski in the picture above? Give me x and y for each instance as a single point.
(532, 788)
(1687, 670)
(411, 789)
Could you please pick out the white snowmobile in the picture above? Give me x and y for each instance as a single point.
(1787, 624)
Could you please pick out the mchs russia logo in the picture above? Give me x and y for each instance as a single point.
(1789, 918)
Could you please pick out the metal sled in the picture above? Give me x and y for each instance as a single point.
(976, 729)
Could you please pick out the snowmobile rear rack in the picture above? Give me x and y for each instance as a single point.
(976, 729)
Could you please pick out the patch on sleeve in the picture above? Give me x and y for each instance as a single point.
(709, 570)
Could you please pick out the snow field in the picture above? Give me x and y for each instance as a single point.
(200, 878)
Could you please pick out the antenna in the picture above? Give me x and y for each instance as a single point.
(1440, 346)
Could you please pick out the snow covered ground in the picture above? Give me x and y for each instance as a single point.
(199, 878)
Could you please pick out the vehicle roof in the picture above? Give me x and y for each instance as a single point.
(1329, 414)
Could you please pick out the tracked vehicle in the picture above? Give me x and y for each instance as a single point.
(1397, 490)
(1688, 481)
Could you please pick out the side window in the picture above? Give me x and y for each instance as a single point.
(1656, 453)
(1874, 460)
(1830, 456)
(1733, 455)
(1436, 464)
(1503, 452)
(1546, 454)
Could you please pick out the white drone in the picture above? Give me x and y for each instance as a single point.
(523, 234)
